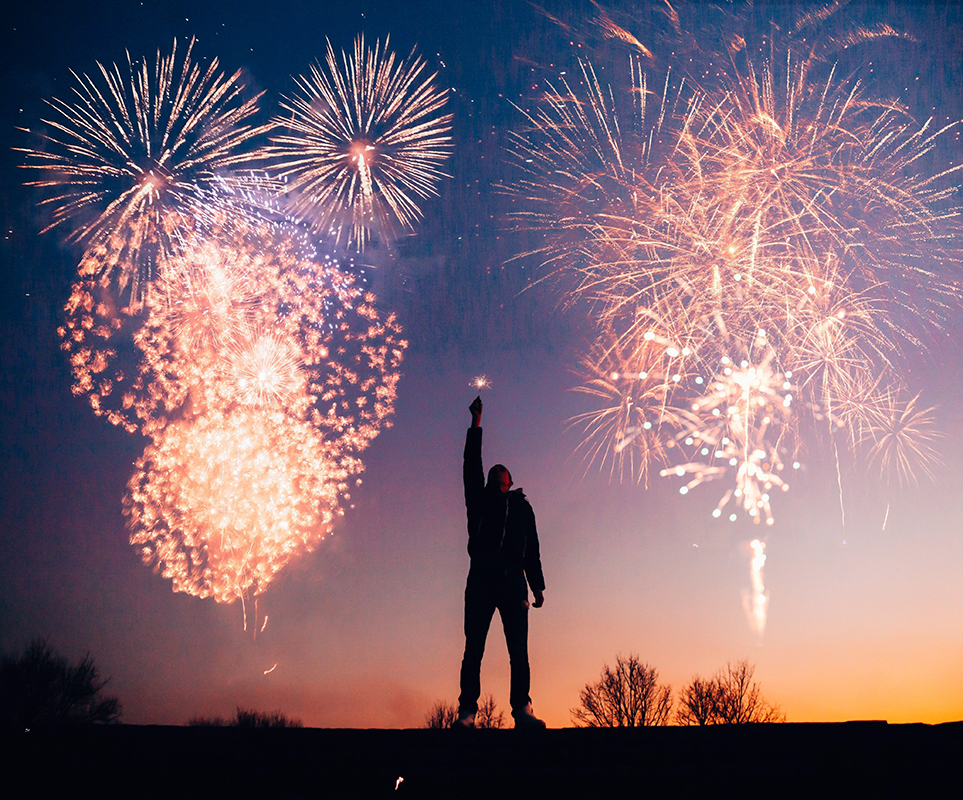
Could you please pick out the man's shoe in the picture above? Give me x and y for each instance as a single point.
(464, 722)
(526, 719)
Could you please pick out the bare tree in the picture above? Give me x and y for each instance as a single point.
(740, 699)
(697, 703)
(443, 714)
(628, 696)
(731, 697)
(40, 688)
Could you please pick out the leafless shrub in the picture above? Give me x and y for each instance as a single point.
(443, 714)
(245, 718)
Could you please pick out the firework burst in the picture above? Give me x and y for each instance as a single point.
(260, 373)
(903, 437)
(133, 144)
(260, 389)
(741, 426)
(246, 317)
(204, 318)
(220, 503)
(638, 388)
(772, 209)
(365, 141)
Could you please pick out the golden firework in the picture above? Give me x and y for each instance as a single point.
(365, 140)
(135, 144)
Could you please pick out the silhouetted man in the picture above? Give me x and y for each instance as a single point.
(503, 545)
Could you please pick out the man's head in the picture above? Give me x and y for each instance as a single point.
(500, 477)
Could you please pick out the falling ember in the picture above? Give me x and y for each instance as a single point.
(269, 671)
(757, 604)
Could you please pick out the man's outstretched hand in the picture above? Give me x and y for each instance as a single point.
(539, 598)
(476, 409)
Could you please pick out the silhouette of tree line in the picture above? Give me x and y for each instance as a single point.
(629, 696)
(245, 718)
(40, 689)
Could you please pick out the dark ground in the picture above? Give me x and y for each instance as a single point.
(859, 759)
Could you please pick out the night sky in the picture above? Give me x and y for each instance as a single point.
(864, 622)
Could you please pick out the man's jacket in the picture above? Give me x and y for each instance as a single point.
(501, 526)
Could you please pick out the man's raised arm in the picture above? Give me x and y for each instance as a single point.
(473, 472)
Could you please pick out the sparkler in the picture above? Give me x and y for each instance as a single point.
(365, 142)
(133, 145)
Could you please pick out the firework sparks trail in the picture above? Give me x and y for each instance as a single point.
(743, 424)
(365, 141)
(480, 382)
(757, 603)
(133, 145)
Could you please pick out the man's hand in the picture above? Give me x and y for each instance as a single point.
(539, 598)
(476, 411)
